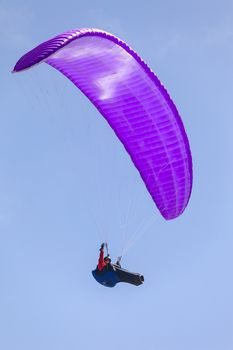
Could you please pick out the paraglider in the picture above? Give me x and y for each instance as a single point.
(136, 106)
(109, 274)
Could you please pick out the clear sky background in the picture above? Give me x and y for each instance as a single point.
(66, 184)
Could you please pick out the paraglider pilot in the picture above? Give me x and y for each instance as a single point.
(109, 274)
(104, 262)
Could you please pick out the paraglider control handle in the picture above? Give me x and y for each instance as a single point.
(118, 262)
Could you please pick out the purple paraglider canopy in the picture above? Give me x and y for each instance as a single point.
(134, 103)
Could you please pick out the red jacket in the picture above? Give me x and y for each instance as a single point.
(101, 262)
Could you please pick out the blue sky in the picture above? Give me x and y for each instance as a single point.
(59, 161)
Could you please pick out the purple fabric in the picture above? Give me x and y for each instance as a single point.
(134, 103)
